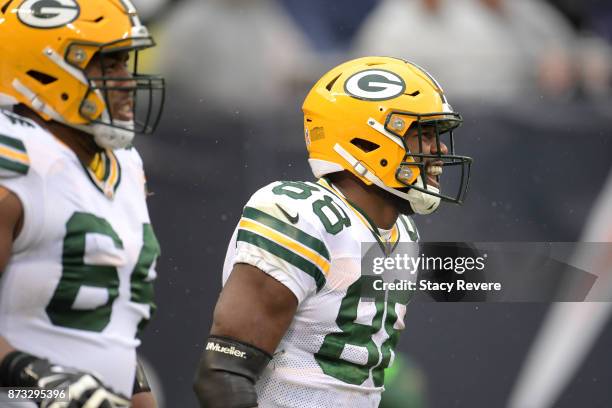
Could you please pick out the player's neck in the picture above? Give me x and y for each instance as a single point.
(81, 143)
(370, 199)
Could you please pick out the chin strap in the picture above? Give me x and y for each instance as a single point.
(421, 203)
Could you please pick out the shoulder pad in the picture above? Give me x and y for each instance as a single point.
(283, 226)
(289, 203)
(279, 199)
(289, 200)
(309, 206)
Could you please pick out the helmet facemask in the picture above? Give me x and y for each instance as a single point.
(144, 93)
(441, 125)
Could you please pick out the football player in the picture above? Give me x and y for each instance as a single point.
(77, 250)
(296, 324)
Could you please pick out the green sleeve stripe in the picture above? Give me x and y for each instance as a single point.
(12, 142)
(289, 230)
(13, 166)
(283, 253)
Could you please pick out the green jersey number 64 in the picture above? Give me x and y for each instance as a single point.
(76, 274)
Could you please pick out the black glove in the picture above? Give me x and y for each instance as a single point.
(20, 369)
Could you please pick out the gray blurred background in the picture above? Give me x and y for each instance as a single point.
(533, 81)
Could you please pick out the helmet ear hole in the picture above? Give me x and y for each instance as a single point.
(41, 77)
(364, 145)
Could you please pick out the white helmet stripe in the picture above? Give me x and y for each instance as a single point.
(59, 61)
(444, 101)
(377, 126)
(131, 10)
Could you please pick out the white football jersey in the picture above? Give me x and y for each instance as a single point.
(79, 281)
(308, 236)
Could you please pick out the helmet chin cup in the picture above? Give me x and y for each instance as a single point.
(113, 137)
(423, 203)
(118, 136)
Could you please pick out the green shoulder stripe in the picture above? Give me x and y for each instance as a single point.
(13, 156)
(13, 166)
(289, 230)
(12, 142)
(283, 253)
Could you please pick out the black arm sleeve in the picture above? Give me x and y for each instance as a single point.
(227, 373)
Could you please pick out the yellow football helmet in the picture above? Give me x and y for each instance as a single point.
(357, 115)
(45, 48)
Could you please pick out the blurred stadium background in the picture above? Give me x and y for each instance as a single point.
(532, 79)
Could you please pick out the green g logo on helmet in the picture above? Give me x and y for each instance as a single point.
(374, 85)
(48, 13)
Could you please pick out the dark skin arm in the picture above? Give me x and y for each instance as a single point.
(254, 308)
(11, 220)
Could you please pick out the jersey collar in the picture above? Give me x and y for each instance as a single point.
(104, 171)
(387, 246)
